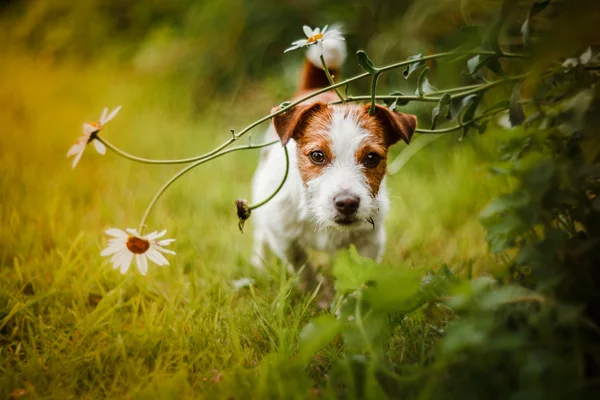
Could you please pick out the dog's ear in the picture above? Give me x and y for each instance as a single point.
(290, 123)
(396, 125)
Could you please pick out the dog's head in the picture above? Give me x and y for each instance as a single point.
(342, 156)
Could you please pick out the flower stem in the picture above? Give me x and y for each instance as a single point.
(373, 92)
(460, 126)
(148, 160)
(330, 78)
(190, 167)
(220, 150)
(285, 175)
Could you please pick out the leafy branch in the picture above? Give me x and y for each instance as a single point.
(413, 63)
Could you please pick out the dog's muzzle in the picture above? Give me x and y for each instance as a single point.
(346, 206)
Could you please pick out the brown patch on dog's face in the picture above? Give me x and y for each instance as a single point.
(311, 142)
(308, 126)
(385, 128)
(372, 155)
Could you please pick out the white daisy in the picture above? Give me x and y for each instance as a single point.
(123, 246)
(316, 36)
(88, 130)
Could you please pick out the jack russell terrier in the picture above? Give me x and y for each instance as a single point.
(335, 194)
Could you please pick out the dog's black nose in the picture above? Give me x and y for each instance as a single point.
(346, 204)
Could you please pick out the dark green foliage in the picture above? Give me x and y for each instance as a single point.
(530, 331)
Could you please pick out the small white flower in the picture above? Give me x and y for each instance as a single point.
(88, 130)
(316, 36)
(123, 246)
(584, 58)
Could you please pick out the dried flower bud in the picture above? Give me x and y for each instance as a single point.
(243, 212)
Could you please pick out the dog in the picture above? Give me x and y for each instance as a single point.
(335, 194)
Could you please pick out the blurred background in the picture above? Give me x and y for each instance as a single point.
(186, 73)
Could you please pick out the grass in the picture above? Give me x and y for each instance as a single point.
(71, 327)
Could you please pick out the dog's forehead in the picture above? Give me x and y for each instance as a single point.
(345, 132)
(347, 126)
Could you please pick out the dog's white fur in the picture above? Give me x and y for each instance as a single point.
(301, 217)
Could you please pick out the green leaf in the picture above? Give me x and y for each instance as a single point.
(504, 295)
(393, 289)
(469, 113)
(318, 333)
(444, 102)
(474, 64)
(457, 105)
(365, 62)
(423, 85)
(398, 101)
(481, 128)
(352, 271)
(516, 115)
(415, 66)
(504, 203)
(535, 9)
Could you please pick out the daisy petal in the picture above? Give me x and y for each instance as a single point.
(112, 115)
(300, 42)
(118, 233)
(103, 116)
(76, 148)
(324, 29)
(307, 30)
(110, 250)
(155, 235)
(77, 157)
(118, 257)
(164, 250)
(316, 31)
(133, 232)
(165, 242)
(156, 257)
(100, 147)
(295, 47)
(142, 263)
(126, 262)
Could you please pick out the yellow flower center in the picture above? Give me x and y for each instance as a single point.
(314, 38)
(96, 124)
(137, 245)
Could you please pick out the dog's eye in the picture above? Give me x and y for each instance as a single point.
(372, 160)
(317, 157)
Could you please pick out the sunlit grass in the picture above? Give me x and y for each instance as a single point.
(70, 326)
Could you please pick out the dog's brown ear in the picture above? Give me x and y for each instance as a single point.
(290, 123)
(395, 125)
